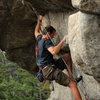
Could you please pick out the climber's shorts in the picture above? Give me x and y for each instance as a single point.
(51, 72)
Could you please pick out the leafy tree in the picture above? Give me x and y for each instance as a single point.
(18, 84)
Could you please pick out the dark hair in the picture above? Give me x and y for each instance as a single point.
(48, 29)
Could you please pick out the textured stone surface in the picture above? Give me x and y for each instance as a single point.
(91, 87)
(52, 5)
(92, 6)
(17, 23)
(84, 41)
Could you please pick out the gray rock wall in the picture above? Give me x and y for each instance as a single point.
(90, 6)
(17, 22)
(84, 41)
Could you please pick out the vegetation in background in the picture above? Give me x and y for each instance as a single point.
(18, 84)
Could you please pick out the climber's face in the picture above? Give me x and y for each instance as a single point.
(52, 34)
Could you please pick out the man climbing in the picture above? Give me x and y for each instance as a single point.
(44, 58)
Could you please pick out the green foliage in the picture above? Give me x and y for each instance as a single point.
(18, 84)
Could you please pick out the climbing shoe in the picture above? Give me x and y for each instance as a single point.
(78, 79)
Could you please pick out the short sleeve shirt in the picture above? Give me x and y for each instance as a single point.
(43, 56)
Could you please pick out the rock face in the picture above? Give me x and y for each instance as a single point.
(16, 38)
(84, 45)
(17, 23)
(52, 5)
(84, 42)
(90, 6)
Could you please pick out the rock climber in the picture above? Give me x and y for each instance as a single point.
(45, 61)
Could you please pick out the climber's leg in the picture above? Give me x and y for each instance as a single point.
(72, 84)
(74, 90)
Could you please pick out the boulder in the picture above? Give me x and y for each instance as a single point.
(90, 6)
(52, 5)
(84, 42)
(17, 23)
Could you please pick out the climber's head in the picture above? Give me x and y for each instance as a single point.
(50, 30)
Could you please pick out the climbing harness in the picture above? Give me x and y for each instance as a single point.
(71, 75)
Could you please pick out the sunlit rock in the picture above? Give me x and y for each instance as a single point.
(90, 6)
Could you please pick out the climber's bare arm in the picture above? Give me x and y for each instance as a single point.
(38, 26)
(55, 49)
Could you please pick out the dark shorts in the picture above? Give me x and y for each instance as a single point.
(51, 72)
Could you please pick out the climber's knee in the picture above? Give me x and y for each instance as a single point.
(72, 84)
